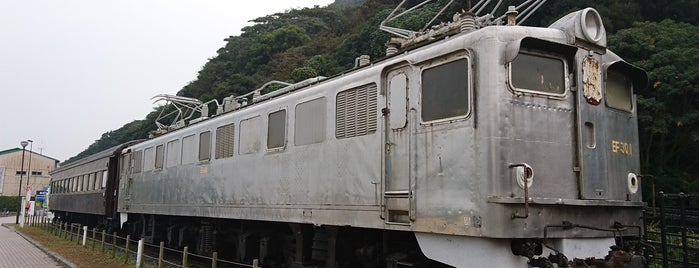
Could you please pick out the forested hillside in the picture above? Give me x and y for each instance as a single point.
(659, 36)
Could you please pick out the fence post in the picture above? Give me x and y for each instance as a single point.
(161, 254)
(663, 234)
(104, 236)
(71, 232)
(77, 233)
(94, 232)
(185, 252)
(683, 221)
(114, 242)
(139, 253)
(84, 235)
(214, 260)
(126, 249)
(255, 263)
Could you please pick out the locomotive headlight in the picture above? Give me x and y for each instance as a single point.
(591, 25)
(584, 25)
(632, 183)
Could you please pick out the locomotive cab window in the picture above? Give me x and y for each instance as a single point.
(619, 91)
(276, 130)
(445, 91)
(537, 73)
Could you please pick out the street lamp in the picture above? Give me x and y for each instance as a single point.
(21, 174)
(29, 167)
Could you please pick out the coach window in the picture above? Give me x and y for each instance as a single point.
(105, 175)
(205, 146)
(224, 141)
(250, 132)
(537, 73)
(137, 161)
(189, 145)
(445, 91)
(90, 182)
(98, 180)
(310, 121)
(173, 153)
(355, 112)
(276, 130)
(159, 156)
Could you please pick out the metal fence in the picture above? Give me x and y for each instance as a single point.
(129, 250)
(672, 231)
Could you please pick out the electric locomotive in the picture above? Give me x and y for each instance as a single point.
(471, 144)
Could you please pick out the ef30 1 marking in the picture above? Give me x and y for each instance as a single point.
(620, 147)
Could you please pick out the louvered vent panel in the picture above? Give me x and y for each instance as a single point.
(224, 141)
(356, 112)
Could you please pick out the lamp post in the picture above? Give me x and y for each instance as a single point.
(21, 174)
(29, 167)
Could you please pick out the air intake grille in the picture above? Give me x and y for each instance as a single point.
(224, 141)
(356, 112)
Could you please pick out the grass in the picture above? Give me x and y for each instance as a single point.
(72, 251)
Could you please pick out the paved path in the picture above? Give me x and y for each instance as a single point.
(15, 251)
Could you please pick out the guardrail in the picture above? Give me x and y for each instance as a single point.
(672, 231)
(131, 251)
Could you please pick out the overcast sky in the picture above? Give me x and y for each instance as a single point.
(71, 70)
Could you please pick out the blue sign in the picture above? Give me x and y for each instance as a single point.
(41, 195)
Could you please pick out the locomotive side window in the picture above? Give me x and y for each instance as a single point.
(619, 91)
(310, 122)
(188, 149)
(173, 153)
(355, 113)
(538, 73)
(159, 156)
(250, 132)
(445, 91)
(137, 161)
(205, 146)
(148, 159)
(276, 130)
(224, 141)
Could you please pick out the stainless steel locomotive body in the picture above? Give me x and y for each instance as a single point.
(476, 143)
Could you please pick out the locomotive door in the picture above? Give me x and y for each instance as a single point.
(397, 194)
(607, 128)
(593, 176)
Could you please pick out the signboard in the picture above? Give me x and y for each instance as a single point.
(40, 196)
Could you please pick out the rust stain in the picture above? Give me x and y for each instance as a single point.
(592, 81)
